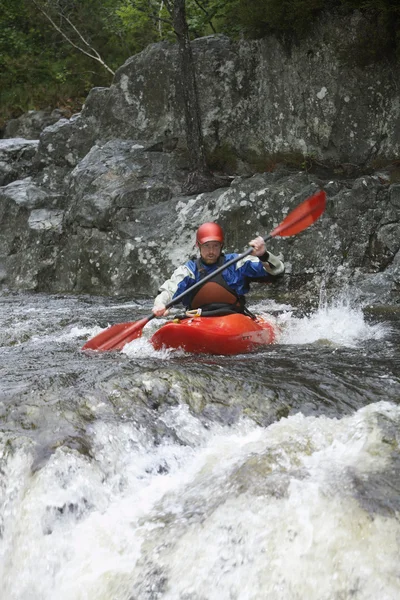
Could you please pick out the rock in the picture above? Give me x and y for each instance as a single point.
(44, 219)
(31, 124)
(16, 159)
(96, 205)
(110, 243)
(255, 100)
(65, 142)
(115, 181)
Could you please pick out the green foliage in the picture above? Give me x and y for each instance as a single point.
(213, 16)
(39, 68)
(208, 16)
(20, 43)
(137, 22)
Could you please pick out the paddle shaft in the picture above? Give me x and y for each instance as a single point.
(138, 326)
(194, 287)
(298, 219)
(291, 221)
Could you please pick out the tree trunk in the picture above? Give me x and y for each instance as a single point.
(200, 178)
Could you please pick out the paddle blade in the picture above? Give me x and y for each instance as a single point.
(116, 336)
(302, 216)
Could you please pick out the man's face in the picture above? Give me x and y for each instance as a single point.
(210, 252)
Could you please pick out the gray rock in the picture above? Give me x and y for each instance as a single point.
(113, 182)
(44, 219)
(25, 193)
(254, 98)
(96, 206)
(16, 159)
(31, 124)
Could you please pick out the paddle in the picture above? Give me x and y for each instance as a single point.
(304, 215)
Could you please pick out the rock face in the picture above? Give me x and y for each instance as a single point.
(16, 157)
(95, 205)
(30, 125)
(254, 98)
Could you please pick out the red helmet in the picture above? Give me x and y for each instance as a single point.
(209, 232)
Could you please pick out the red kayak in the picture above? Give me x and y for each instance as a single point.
(231, 334)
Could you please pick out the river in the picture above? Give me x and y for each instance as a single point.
(145, 475)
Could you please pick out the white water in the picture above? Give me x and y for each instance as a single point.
(337, 324)
(241, 512)
(285, 512)
(340, 323)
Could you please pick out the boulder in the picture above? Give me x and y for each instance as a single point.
(96, 206)
(16, 159)
(30, 125)
(256, 101)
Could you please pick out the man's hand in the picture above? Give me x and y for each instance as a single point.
(258, 245)
(272, 264)
(159, 310)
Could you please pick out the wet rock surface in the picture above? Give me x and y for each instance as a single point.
(96, 205)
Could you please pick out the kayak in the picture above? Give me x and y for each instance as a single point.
(230, 334)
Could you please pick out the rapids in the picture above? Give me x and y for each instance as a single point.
(147, 475)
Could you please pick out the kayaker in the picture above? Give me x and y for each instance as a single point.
(226, 292)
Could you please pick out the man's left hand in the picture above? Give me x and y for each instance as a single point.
(258, 245)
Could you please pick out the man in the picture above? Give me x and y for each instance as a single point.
(226, 292)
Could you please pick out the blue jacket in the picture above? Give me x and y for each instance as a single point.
(236, 276)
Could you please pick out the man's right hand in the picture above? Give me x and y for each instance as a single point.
(160, 310)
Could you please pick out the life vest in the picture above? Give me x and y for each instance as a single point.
(216, 291)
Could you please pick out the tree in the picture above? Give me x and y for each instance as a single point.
(56, 12)
(200, 174)
(69, 31)
(200, 178)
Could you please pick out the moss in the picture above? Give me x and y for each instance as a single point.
(282, 412)
(264, 162)
(381, 163)
(223, 158)
(395, 175)
(389, 165)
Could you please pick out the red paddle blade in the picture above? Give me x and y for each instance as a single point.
(302, 216)
(116, 336)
